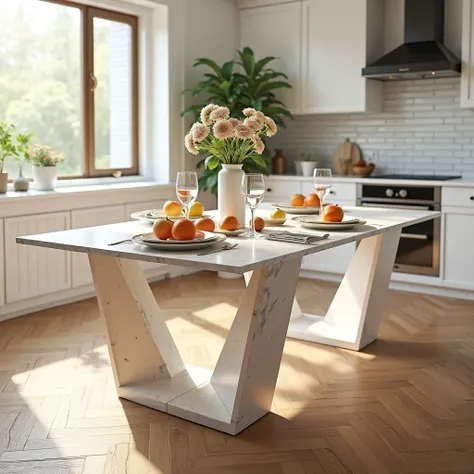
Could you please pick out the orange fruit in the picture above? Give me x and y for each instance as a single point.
(183, 230)
(162, 229)
(206, 223)
(259, 224)
(312, 200)
(332, 213)
(172, 209)
(297, 200)
(229, 223)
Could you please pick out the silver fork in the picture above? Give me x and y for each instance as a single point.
(224, 247)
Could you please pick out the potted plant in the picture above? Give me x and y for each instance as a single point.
(230, 143)
(253, 85)
(23, 140)
(7, 149)
(307, 163)
(44, 161)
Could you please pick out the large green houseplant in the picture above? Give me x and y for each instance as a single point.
(241, 83)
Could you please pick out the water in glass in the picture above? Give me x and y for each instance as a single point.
(253, 190)
(187, 189)
(322, 180)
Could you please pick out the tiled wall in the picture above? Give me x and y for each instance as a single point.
(422, 130)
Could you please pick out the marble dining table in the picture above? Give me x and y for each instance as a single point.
(147, 366)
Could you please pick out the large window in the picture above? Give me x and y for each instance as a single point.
(68, 74)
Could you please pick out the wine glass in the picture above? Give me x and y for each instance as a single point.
(186, 189)
(253, 189)
(322, 180)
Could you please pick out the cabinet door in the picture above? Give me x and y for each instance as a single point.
(81, 273)
(458, 253)
(334, 53)
(276, 31)
(467, 76)
(34, 271)
(334, 260)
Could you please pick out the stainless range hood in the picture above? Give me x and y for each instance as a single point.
(423, 54)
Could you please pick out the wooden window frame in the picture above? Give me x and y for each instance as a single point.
(88, 13)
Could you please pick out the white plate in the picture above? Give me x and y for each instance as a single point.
(299, 210)
(269, 222)
(322, 225)
(150, 238)
(154, 214)
(176, 244)
(231, 233)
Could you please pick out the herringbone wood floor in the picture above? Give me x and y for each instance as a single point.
(404, 405)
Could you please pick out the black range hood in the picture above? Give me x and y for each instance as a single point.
(423, 54)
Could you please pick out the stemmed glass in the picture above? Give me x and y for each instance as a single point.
(187, 189)
(322, 180)
(253, 189)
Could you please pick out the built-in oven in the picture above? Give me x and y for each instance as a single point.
(419, 248)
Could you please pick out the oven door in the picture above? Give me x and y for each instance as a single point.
(419, 247)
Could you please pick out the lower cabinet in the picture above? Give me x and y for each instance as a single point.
(35, 271)
(81, 273)
(458, 250)
(335, 260)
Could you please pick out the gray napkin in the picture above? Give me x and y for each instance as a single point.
(295, 238)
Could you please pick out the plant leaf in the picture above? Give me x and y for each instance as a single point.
(259, 160)
(210, 63)
(212, 162)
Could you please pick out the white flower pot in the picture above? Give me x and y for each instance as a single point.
(307, 167)
(229, 194)
(45, 177)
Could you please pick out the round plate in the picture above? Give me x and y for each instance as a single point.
(299, 210)
(322, 225)
(231, 233)
(269, 222)
(157, 214)
(150, 238)
(175, 244)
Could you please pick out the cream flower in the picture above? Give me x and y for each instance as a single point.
(253, 124)
(234, 122)
(260, 117)
(223, 129)
(221, 113)
(206, 111)
(249, 112)
(199, 132)
(243, 131)
(271, 126)
(259, 145)
(190, 145)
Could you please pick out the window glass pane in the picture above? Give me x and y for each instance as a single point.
(40, 77)
(113, 94)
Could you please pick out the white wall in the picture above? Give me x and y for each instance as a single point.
(211, 31)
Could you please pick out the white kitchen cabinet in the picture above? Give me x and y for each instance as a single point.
(467, 76)
(2, 266)
(275, 30)
(340, 192)
(335, 260)
(279, 191)
(458, 251)
(339, 38)
(81, 273)
(33, 271)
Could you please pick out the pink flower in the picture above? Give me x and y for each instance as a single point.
(271, 127)
(190, 145)
(253, 124)
(206, 112)
(259, 145)
(199, 132)
(221, 113)
(223, 129)
(249, 112)
(260, 118)
(234, 122)
(243, 131)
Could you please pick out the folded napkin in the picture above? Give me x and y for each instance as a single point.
(295, 238)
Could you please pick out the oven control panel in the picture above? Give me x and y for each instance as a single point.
(389, 193)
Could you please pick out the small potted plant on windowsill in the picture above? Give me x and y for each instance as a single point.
(45, 162)
(20, 183)
(7, 149)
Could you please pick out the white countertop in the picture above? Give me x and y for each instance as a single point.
(249, 255)
(459, 182)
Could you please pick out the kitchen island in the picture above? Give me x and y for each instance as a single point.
(147, 366)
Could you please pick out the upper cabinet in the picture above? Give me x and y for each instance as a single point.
(276, 31)
(467, 76)
(323, 46)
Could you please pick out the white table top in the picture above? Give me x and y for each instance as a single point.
(249, 255)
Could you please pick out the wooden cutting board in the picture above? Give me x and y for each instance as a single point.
(347, 154)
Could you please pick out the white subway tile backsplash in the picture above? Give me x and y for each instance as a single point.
(422, 129)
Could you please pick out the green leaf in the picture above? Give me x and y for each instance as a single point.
(259, 160)
(262, 63)
(208, 62)
(227, 70)
(273, 85)
(212, 162)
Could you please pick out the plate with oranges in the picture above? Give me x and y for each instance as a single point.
(332, 219)
(171, 210)
(302, 205)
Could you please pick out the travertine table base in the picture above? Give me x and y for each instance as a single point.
(149, 370)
